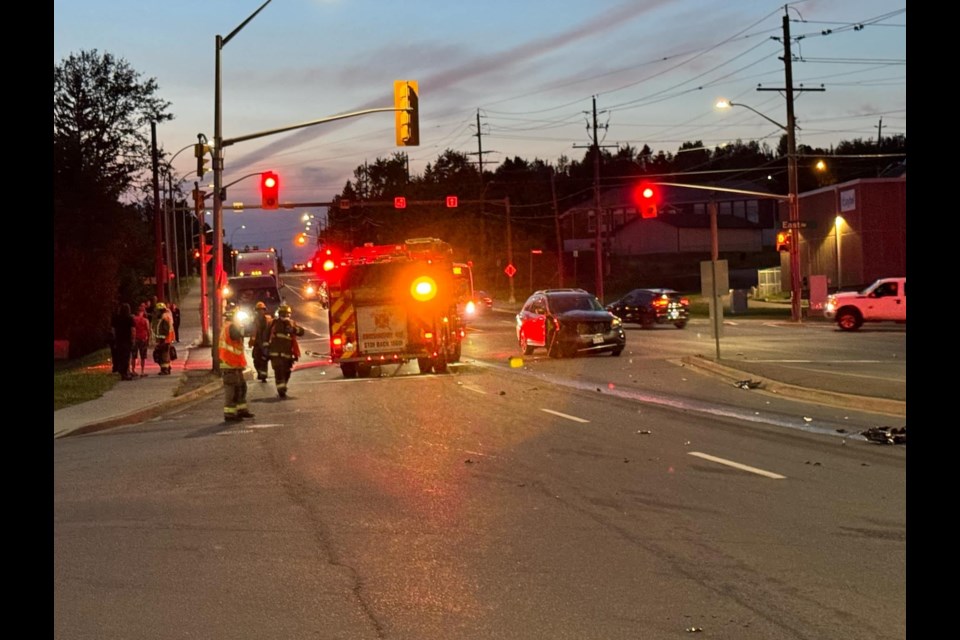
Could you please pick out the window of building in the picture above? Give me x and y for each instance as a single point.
(739, 209)
(724, 209)
(700, 209)
(753, 210)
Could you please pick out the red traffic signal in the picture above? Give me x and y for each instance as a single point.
(647, 198)
(783, 241)
(269, 190)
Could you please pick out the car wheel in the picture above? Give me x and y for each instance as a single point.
(525, 346)
(849, 320)
(440, 364)
(681, 324)
(616, 352)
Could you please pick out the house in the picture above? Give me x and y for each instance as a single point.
(746, 221)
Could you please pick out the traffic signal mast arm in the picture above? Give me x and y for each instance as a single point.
(252, 136)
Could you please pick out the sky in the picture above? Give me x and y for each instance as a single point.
(528, 69)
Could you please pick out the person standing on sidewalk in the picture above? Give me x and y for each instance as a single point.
(164, 336)
(284, 350)
(141, 340)
(233, 361)
(123, 338)
(175, 310)
(260, 341)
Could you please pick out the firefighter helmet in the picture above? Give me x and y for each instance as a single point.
(283, 310)
(230, 309)
(261, 305)
(161, 307)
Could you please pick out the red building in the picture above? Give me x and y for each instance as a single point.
(856, 232)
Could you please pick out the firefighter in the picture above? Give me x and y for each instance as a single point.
(164, 336)
(284, 350)
(232, 364)
(260, 341)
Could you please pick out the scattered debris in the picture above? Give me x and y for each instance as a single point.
(598, 389)
(886, 435)
(816, 464)
(503, 393)
(694, 629)
(806, 419)
(841, 430)
(644, 432)
(747, 384)
(626, 460)
(469, 461)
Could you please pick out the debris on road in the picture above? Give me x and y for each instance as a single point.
(747, 384)
(886, 435)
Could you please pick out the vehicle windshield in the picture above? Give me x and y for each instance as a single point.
(560, 304)
(258, 295)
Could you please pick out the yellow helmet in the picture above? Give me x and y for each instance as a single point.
(161, 306)
(284, 310)
(261, 305)
(230, 309)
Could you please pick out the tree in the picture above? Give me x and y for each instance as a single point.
(102, 110)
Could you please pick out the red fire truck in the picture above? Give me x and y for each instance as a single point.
(390, 304)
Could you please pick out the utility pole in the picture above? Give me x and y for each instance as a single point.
(598, 216)
(506, 203)
(794, 197)
(157, 228)
(556, 223)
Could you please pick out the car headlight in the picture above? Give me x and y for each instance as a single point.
(243, 317)
(617, 322)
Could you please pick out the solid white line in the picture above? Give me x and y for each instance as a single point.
(473, 388)
(564, 415)
(737, 465)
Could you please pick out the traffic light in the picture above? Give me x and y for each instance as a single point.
(406, 102)
(269, 190)
(647, 198)
(783, 240)
(200, 151)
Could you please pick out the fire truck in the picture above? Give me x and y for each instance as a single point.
(391, 304)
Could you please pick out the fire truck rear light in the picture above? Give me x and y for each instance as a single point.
(337, 341)
(428, 335)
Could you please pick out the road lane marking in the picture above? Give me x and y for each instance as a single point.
(473, 388)
(737, 465)
(564, 415)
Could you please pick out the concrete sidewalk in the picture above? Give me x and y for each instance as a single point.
(136, 400)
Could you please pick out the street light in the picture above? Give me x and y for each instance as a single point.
(794, 218)
(233, 252)
(220, 43)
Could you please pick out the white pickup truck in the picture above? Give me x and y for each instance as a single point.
(883, 301)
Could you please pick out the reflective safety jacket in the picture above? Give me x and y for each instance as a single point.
(231, 347)
(283, 339)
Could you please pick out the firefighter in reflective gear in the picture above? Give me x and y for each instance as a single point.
(284, 350)
(232, 363)
(259, 341)
(164, 336)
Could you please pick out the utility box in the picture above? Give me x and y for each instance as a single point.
(738, 301)
(818, 294)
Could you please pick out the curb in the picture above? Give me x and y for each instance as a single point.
(870, 404)
(145, 413)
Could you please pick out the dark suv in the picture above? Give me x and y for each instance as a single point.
(567, 322)
(648, 307)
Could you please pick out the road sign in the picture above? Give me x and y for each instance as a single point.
(452, 202)
(510, 270)
(344, 204)
(797, 224)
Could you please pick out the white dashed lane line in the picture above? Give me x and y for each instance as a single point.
(564, 415)
(737, 465)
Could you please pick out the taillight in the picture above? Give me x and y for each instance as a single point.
(685, 302)
(660, 302)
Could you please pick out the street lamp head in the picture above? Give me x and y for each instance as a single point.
(723, 103)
